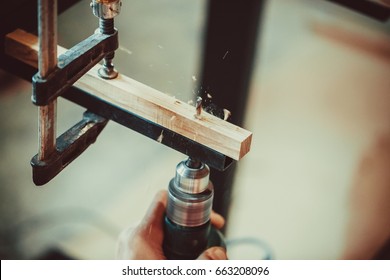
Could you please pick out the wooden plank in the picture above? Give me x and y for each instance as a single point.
(146, 102)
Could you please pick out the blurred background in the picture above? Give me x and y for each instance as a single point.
(319, 101)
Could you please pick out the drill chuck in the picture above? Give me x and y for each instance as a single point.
(187, 227)
(190, 196)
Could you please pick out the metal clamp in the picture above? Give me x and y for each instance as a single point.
(69, 146)
(71, 66)
(55, 77)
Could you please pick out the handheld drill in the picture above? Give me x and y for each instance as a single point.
(187, 228)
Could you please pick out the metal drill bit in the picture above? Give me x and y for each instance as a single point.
(198, 108)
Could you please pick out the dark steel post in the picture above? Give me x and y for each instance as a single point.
(228, 60)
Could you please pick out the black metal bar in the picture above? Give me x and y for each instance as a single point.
(371, 9)
(154, 131)
(229, 52)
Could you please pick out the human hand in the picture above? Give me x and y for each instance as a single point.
(145, 241)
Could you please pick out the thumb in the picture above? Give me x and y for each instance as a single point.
(213, 253)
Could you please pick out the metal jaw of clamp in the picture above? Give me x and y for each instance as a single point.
(56, 77)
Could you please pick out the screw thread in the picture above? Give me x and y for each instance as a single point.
(106, 26)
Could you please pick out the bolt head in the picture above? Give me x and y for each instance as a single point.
(106, 9)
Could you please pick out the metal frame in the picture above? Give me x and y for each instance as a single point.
(228, 59)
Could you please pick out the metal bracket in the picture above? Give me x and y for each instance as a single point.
(71, 66)
(69, 146)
